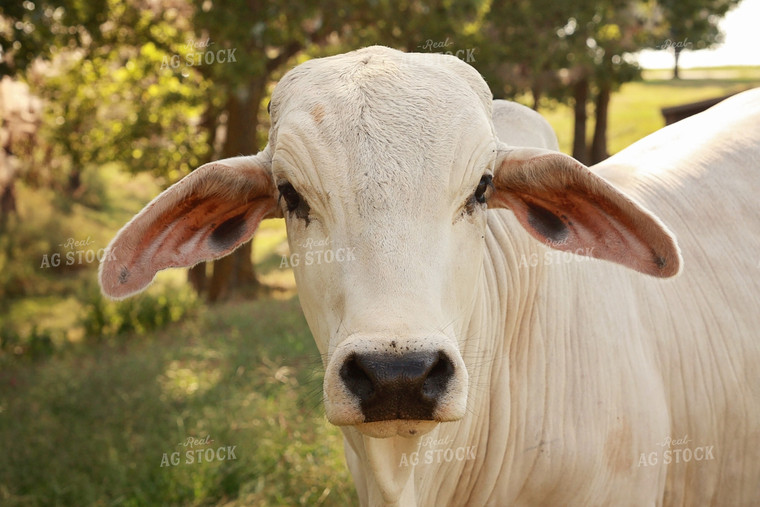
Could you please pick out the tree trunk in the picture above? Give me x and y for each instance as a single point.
(236, 271)
(209, 123)
(599, 144)
(580, 94)
(7, 203)
(197, 278)
(536, 92)
(74, 180)
(675, 67)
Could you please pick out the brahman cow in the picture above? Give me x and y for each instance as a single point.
(479, 349)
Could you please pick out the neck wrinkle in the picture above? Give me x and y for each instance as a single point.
(497, 330)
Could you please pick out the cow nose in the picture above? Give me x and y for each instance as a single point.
(392, 386)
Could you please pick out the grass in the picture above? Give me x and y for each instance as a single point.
(635, 108)
(92, 427)
(90, 423)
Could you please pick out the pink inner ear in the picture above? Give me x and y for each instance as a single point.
(579, 227)
(568, 208)
(204, 216)
(193, 231)
(199, 231)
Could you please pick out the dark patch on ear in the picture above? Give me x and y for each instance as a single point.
(660, 261)
(123, 275)
(228, 232)
(546, 223)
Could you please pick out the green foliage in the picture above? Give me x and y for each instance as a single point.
(34, 28)
(695, 20)
(545, 47)
(49, 252)
(121, 106)
(139, 315)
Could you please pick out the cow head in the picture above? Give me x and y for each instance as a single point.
(384, 166)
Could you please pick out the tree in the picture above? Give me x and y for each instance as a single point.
(98, 67)
(693, 24)
(619, 32)
(524, 46)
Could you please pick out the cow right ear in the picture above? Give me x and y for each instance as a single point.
(204, 216)
(561, 203)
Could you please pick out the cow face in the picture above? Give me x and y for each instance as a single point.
(384, 166)
(387, 162)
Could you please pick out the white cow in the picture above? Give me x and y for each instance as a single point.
(469, 358)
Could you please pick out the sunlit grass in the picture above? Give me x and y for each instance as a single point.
(635, 110)
(270, 247)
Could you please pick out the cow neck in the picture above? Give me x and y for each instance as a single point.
(500, 320)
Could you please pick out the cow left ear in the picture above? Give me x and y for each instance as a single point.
(567, 207)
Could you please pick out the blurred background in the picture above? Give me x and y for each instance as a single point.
(104, 103)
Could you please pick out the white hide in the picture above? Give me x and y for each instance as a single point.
(518, 125)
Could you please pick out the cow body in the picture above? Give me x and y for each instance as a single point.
(466, 362)
(593, 372)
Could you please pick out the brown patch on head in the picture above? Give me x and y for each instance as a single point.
(318, 113)
(618, 448)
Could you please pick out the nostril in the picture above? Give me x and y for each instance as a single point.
(390, 386)
(438, 377)
(356, 379)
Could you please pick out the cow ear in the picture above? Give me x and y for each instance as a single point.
(567, 207)
(204, 216)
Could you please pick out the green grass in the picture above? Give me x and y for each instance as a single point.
(91, 427)
(635, 108)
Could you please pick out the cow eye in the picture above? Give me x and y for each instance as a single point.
(480, 191)
(292, 198)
